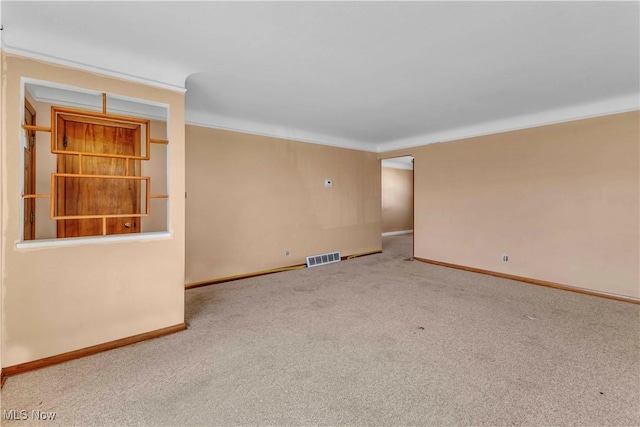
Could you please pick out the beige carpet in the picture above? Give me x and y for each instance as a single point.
(377, 340)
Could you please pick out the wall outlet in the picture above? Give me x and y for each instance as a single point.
(328, 183)
(287, 253)
(505, 258)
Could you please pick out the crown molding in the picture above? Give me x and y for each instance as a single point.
(205, 119)
(93, 69)
(620, 104)
(615, 105)
(58, 94)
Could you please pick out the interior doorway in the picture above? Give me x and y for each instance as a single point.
(397, 203)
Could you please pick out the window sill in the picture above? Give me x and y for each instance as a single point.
(74, 241)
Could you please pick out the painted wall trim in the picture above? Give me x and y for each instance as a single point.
(226, 279)
(533, 281)
(606, 107)
(396, 233)
(75, 97)
(616, 105)
(265, 272)
(88, 351)
(93, 69)
(358, 255)
(208, 120)
(74, 241)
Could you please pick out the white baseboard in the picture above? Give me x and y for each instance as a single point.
(396, 233)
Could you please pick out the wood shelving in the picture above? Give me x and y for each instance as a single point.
(139, 128)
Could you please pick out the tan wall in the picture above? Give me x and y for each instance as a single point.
(60, 299)
(562, 201)
(397, 199)
(251, 198)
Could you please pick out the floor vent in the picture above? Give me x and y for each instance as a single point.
(315, 260)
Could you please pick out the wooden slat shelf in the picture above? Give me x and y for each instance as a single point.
(84, 153)
(113, 156)
(54, 180)
(36, 196)
(72, 115)
(97, 114)
(36, 128)
(101, 216)
(99, 118)
(79, 175)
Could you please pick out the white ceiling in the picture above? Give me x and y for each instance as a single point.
(367, 75)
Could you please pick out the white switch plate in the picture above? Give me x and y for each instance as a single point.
(328, 183)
